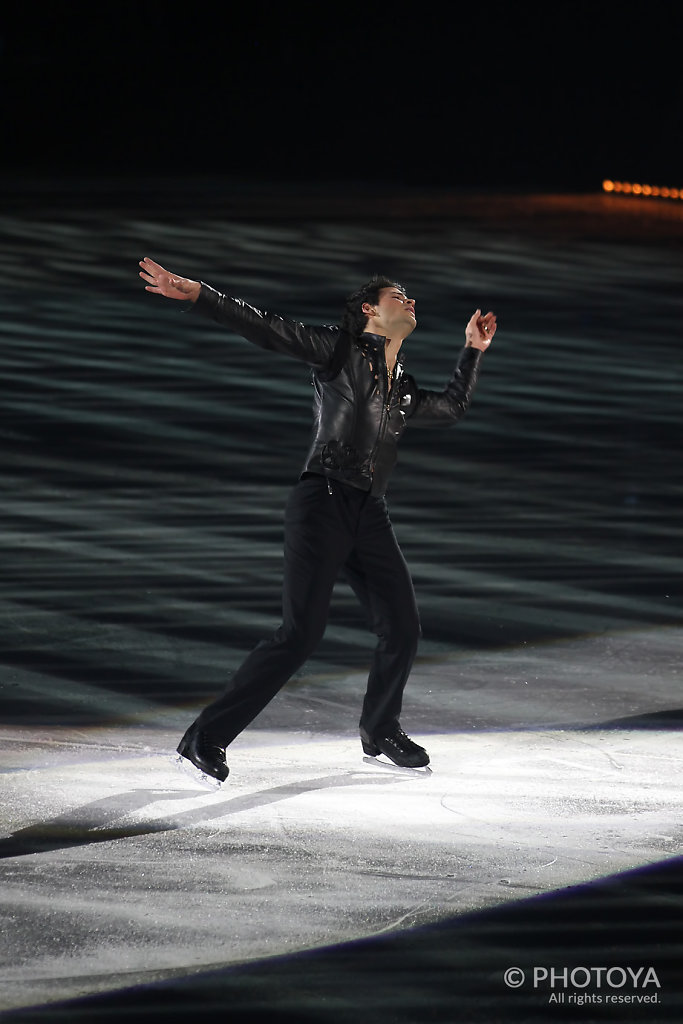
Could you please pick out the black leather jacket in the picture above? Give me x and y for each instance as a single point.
(358, 420)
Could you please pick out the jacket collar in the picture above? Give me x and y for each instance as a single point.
(377, 341)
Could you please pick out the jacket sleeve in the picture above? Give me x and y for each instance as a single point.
(443, 408)
(312, 345)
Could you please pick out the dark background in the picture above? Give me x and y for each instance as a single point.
(496, 95)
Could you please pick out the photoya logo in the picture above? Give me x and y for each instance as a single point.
(608, 986)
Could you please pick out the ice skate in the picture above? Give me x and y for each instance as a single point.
(202, 758)
(395, 745)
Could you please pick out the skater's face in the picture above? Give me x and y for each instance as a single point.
(393, 315)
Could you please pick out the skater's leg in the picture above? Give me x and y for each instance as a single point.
(317, 541)
(379, 576)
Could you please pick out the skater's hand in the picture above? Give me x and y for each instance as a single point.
(168, 285)
(480, 330)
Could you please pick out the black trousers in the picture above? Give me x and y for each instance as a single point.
(330, 530)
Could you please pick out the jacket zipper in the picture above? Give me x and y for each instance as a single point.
(386, 408)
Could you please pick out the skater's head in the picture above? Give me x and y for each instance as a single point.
(380, 306)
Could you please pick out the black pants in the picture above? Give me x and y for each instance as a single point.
(329, 530)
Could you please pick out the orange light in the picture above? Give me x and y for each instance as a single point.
(636, 189)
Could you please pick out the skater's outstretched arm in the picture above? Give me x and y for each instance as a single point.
(434, 408)
(312, 345)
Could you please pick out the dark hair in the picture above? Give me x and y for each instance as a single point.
(354, 320)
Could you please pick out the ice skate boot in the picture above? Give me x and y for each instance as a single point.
(395, 745)
(207, 757)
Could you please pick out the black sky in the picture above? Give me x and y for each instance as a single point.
(501, 95)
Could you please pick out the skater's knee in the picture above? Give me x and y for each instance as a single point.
(412, 632)
(403, 632)
(299, 643)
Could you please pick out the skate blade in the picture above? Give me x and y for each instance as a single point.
(196, 774)
(389, 766)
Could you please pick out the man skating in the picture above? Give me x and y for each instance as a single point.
(336, 519)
